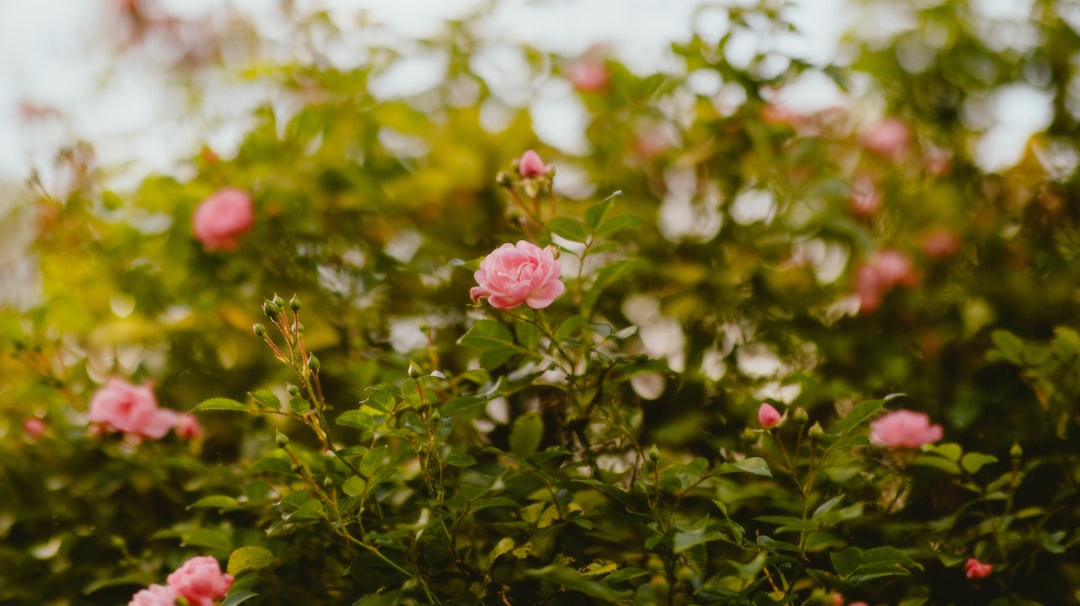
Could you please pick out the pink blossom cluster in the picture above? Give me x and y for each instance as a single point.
(221, 219)
(199, 582)
(133, 410)
(974, 569)
(904, 429)
(881, 273)
(518, 273)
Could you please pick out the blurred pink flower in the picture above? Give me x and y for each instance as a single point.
(940, 242)
(514, 274)
(200, 581)
(889, 138)
(767, 415)
(221, 219)
(881, 273)
(155, 595)
(976, 569)
(865, 199)
(131, 409)
(589, 76)
(531, 166)
(33, 427)
(904, 429)
(187, 426)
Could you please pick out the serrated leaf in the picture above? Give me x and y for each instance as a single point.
(568, 228)
(526, 433)
(222, 404)
(249, 558)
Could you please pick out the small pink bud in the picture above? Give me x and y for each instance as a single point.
(940, 243)
(588, 76)
(33, 427)
(889, 138)
(531, 166)
(767, 416)
(187, 426)
(976, 569)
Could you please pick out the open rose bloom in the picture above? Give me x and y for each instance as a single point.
(200, 581)
(904, 429)
(518, 273)
(130, 409)
(221, 219)
(155, 595)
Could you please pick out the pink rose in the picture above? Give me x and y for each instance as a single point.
(33, 427)
(200, 581)
(187, 426)
(588, 76)
(881, 273)
(904, 429)
(222, 218)
(121, 406)
(976, 569)
(889, 138)
(865, 199)
(514, 274)
(155, 595)
(531, 166)
(767, 415)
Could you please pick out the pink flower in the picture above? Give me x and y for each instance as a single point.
(881, 273)
(865, 199)
(976, 569)
(222, 218)
(514, 274)
(121, 406)
(588, 76)
(155, 595)
(33, 427)
(187, 426)
(904, 429)
(889, 138)
(200, 581)
(531, 166)
(940, 243)
(767, 415)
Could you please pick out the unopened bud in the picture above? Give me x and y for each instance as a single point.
(328, 482)
(816, 431)
(281, 439)
(1016, 452)
(503, 180)
(260, 331)
(654, 454)
(293, 390)
(294, 303)
(271, 310)
(313, 363)
(279, 301)
(799, 415)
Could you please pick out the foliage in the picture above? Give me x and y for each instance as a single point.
(381, 440)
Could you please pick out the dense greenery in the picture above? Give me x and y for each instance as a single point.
(372, 435)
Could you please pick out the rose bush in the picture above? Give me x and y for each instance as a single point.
(605, 426)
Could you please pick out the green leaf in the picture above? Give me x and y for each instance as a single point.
(618, 223)
(625, 574)
(937, 462)
(218, 501)
(606, 275)
(526, 433)
(356, 418)
(858, 565)
(827, 506)
(480, 504)
(460, 460)
(974, 461)
(354, 486)
(214, 538)
(687, 539)
(1009, 347)
(265, 400)
(572, 579)
(380, 399)
(754, 465)
(222, 404)
(571, 229)
(596, 213)
(465, 407)
(503, 547)
(238, 597)
(249, 558)
(790, 523)
(528, 335)
(488, 334)
(570, 327)
(861, 412)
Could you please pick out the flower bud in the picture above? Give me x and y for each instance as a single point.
(279, 301)
(271, 309)
(294, 303)
(799, 415)
(313, 363)
(1016, 452)
(281, 439)
(328, 482)
(260, 331)
(531, 166)
(654, 454)
(816, 431)
(293, 390)
(503, 180)
(768, 416)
